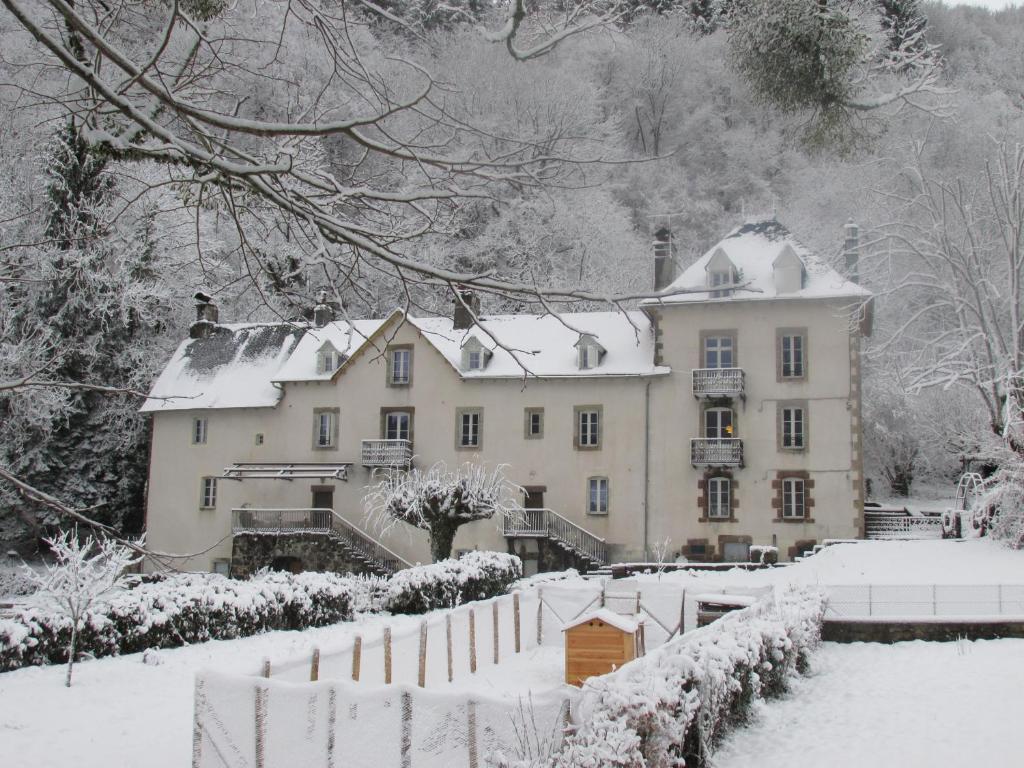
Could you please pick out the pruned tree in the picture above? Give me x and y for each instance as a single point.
(440, 500)
(84, 574)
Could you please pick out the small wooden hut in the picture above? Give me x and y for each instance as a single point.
(598, 643)
(711, 607)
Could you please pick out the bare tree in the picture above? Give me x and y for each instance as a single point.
(85, 573)
(440, 501)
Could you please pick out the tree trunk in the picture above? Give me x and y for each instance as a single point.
(71, 652)
(441, 538)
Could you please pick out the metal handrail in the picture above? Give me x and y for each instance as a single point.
(316, 520)
(386, 453)
(716, 451)
(549, 524)
(717, 382)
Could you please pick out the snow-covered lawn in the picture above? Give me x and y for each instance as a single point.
(913, 705)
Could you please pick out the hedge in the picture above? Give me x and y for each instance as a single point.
(445, 584)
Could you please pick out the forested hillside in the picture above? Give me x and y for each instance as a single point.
(560, 161)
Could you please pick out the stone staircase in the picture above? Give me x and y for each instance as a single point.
(590, 550)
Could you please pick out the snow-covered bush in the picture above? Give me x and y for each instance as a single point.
(14, 583)
(475, 576)
(670, 707)
(178, 610)
(764, 554)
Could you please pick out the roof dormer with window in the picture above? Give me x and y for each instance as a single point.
(475, 355)
(720, 271)
(328, 359)
(589, 352)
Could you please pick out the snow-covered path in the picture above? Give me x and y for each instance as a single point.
(912, 705)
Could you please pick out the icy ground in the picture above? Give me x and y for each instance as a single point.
(912, 705)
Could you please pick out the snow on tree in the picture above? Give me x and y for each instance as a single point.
(440, 501)
(84, 574)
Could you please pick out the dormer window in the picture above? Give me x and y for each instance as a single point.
(327, 359)
(475, 355)
(720, 271)
(589, 351)
(788, 271)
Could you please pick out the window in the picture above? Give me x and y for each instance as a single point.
(399, 366)
(208, 493)
(397, 425)
(469, 424)
(719, 498)
(720, 277)
(792, 498)
(534, 427)
(792, 353)
(597, 496)
(718, 423)
(325, 428)
(475, 360)
(588, 427)
(719, 351)
(198, 431)
(793, 427)
(259, 438)
(327, 360)
(222, 567)
(589, 356)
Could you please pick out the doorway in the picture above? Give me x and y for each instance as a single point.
(534, 496)
(323, 497)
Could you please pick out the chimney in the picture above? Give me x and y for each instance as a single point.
(664, 259)
(462, 317)
(323, 312)
(206, 317)
(851, 250)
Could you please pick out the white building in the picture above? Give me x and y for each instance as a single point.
(719, 417)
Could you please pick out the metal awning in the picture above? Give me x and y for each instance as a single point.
(286, 471)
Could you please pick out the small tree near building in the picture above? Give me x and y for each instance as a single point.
(85, 573)
(440, 500)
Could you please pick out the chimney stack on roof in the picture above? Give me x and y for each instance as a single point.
(851, 250)
(664, 259)
(206, 317)
(323, 312)
(467, 309)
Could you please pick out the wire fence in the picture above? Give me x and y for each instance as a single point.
(924, 600)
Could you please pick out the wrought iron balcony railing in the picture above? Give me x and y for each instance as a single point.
(387, 453)
(718, 382)
(716, 452)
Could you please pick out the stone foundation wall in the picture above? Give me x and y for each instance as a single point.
(899, 631)
(291, 551)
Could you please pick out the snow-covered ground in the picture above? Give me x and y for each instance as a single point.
(913, 705)
(123, 712)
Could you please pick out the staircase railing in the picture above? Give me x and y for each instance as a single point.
(549, 524)
(317, 520)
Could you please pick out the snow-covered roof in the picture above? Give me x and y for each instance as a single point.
(345, 337)
(623, 623)
(545, 345)
(232, 368)
(753, 249)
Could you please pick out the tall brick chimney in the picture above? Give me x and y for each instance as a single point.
(323, 312)
(206, 317)
(664, 259)
(851, 250)
(462, 317)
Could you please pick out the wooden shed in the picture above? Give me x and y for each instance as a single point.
(598, 643)
(712, 607)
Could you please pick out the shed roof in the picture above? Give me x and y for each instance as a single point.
(623, 623)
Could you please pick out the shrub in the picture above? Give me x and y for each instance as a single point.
(475, 576)
(178, 610)
(672, 706)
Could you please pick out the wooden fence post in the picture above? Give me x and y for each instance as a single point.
(422, 680)
(540, 616)
(265, 671)
(515, 621)
(448, 642)
(197, 723)
(682, 613)
(332, 724)
(387, 655)
(357, 657)
(637, 611)
(471, 734)
(260, 711)
(472, 641)
(406, 730)
(494, 614)
(314, 667)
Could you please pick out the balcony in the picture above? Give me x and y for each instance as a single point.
(387, 453)
(718, 382)
(716, 452)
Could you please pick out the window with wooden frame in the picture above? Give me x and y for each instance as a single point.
(399, 366)
(793, 499)
(325, 428)
(469, 423)
(792, 426)
(791, 344)
(396, 425)
(208, 493)
(199, 426)
(718, 350)
(597, 496)
(719, 495)
(533, 423)
(718, 423)
(587, 432)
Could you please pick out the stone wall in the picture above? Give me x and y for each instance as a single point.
(291, 552)
(899, 631)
